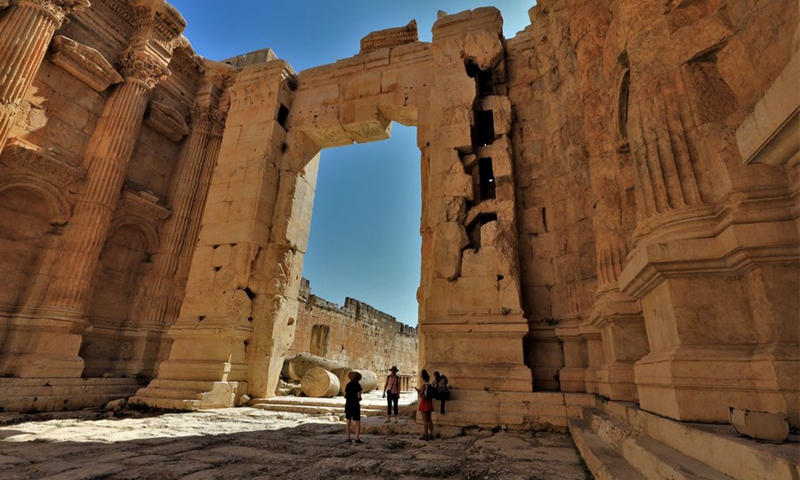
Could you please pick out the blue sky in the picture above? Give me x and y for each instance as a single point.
(364, 240)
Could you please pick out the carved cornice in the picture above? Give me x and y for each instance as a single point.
(166, 120)
(144, 205)
(170, 23)
(83, 62)
(58, 9)
(144, 67)
(28, 159)
(142, 17)
(123, 9)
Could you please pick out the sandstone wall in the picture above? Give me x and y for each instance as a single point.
(355, 335)
(610, 204)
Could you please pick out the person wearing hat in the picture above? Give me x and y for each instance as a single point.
(391, 391)
(352, 405)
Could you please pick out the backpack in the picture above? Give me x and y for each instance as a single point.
(430, 392)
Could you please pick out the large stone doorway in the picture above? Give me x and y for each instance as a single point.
(241, 301)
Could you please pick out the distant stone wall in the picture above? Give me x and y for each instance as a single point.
(356, 334)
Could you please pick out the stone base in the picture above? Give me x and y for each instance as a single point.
(511, 410)
(616, 383)
(572, 379)
(699, 384)
(189, 395)
(27, 395)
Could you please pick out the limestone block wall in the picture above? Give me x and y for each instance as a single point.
(355, 334)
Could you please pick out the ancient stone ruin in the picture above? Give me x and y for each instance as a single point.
(610, 220)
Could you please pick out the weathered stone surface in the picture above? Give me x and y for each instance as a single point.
(609, 205)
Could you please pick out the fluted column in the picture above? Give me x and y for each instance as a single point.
(25, 33)
(187, 187)
(109, 152)
(184, 258)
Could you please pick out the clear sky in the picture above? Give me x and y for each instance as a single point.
(364, 240)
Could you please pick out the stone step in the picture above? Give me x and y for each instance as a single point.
(718, 446)
(603, 460)
(316, 409)
(648, 456)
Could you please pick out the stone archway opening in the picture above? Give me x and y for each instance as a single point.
(364, 248)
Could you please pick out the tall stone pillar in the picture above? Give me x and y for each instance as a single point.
(165, 261)
(188, 191)
(26, 29)
(471, 324)
(237, 318)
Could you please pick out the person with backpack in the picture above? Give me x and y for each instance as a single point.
(442, 389)
(426, 394)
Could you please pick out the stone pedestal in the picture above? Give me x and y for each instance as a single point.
(716, 341)
(618, 317)
(572, 378)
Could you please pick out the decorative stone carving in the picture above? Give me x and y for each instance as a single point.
(391, 37)
(40, 163)
(166, 120)
(144, 67)
(85, 63)
(3, 4)
(143, 204)
(59, 9)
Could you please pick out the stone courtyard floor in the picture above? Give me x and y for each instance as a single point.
(251, 443)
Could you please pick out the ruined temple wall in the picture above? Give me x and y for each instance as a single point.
(53, 163)
(555, 206)
(357, 335)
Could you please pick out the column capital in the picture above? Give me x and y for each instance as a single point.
(58, 9)
(143, 66)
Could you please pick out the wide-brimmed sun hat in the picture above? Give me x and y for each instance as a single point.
(393, 369)
(354, 375)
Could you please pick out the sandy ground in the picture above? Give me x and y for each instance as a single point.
(252, 443)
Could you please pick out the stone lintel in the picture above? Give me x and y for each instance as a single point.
(166, 120)
(771, 134)
(390, 37)
(84, 63)
(30, 159)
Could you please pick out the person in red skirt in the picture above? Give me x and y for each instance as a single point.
(426, 394)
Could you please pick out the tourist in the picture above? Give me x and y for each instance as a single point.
(352, 405)
(426, 404)
(442, 389)
(391, 391)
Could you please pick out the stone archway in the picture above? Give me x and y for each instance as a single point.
(241, 303)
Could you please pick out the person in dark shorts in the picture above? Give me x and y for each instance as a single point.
(352, 406)
(391, 389)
